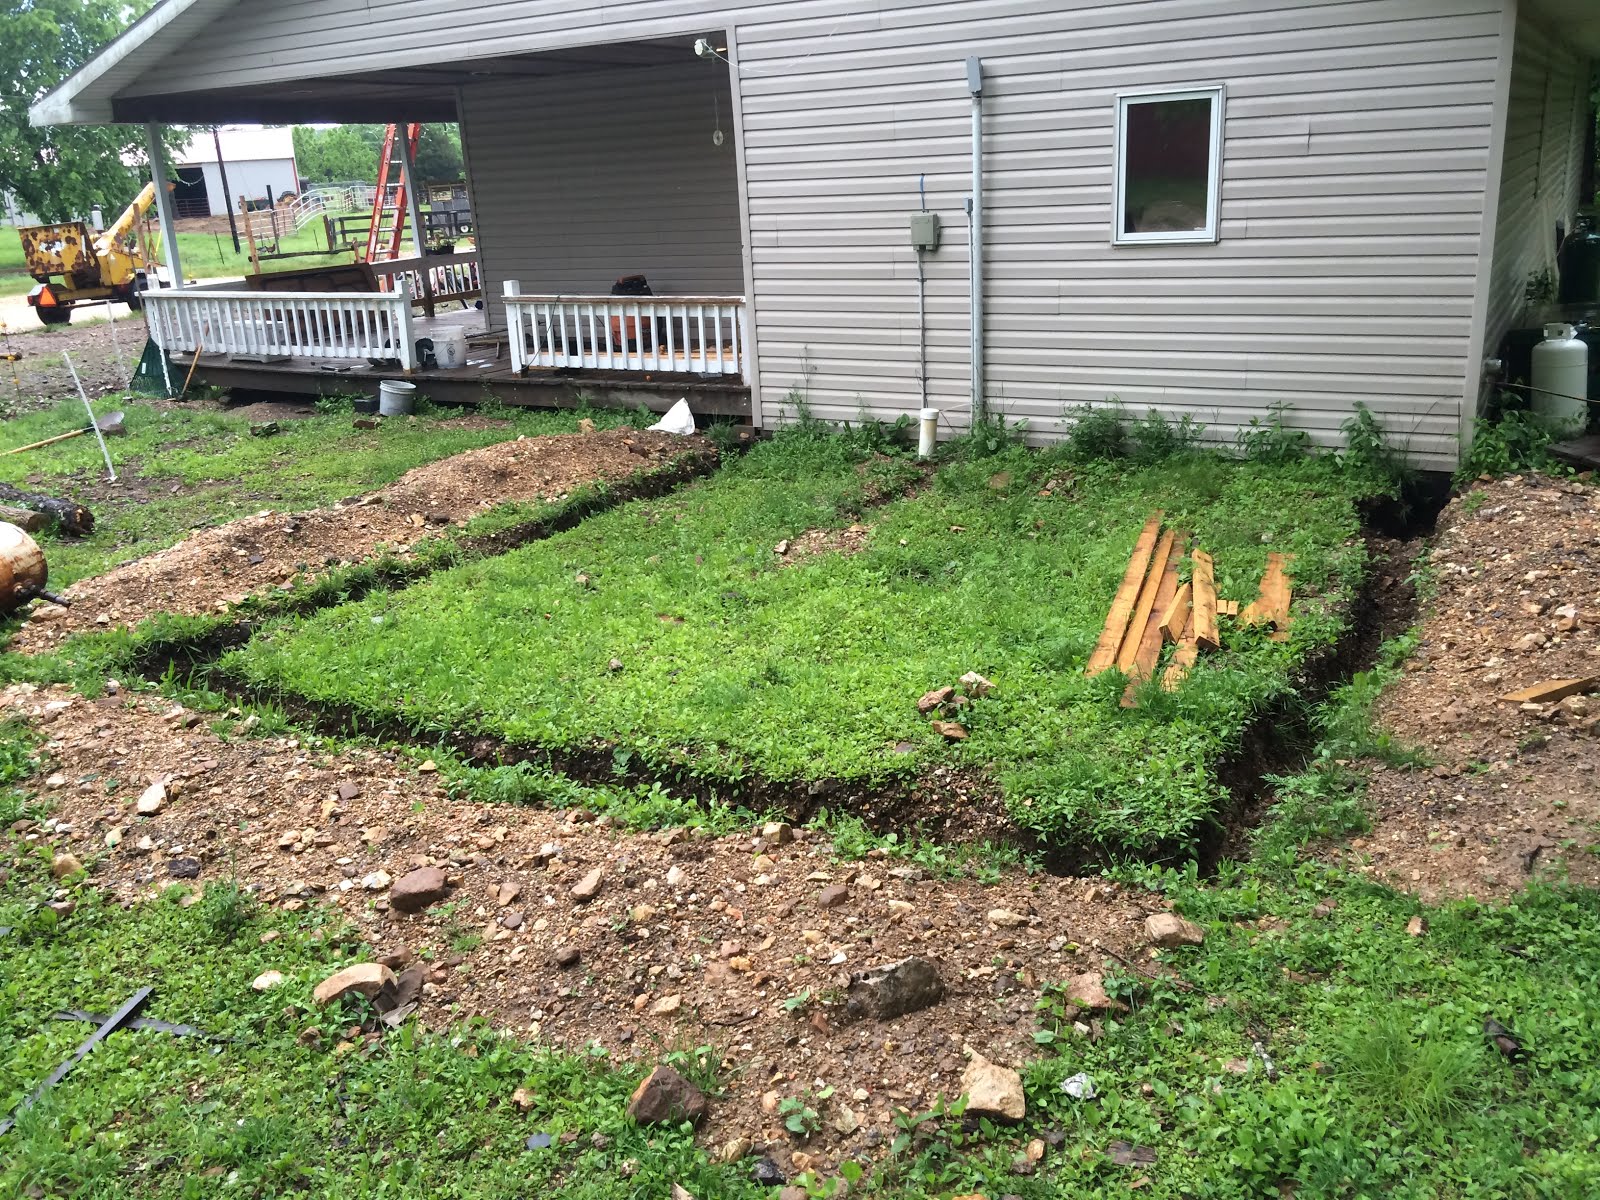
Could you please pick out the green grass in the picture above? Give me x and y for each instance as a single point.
(261, 1115)
(1383, 1082)
(196, 465)
(203, 255)
(735, 666)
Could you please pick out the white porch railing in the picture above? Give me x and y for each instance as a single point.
(281, 324)
(701, 335)
(433, 278)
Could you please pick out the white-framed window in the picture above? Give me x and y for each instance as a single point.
(1168, 166)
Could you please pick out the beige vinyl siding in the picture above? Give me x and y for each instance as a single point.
(1355, 156)
(580, 179)
(1541, 171)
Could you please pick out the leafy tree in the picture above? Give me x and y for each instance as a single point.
(349, 153)
(62, 173)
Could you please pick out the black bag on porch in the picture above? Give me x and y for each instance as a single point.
(634, 285)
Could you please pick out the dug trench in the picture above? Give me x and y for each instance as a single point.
(950, 805)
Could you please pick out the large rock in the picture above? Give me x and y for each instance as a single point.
(367, 978)
(666, 1098)
(894, 989)
(993, 1090)
(415, 890)
(1169, 931)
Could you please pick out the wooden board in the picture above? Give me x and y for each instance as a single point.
(1175, 617)
(1105, 650)
(1227, 608)
(1551, 690)
(1148, 651)
(1205, 602)
(1271, 607)
(1182, 659)
(1146, 603)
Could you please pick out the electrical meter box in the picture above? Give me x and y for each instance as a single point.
(925, 231)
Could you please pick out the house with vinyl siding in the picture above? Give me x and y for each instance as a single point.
(1213, 208)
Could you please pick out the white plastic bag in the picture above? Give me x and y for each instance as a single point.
(678, 420)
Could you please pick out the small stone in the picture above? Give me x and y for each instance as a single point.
(523, 1099)
(976, 685)
(267, 980)
(894, 989)
(184, 868)
(566, 956)
(57, 780)
(614, 665)
(588, 887)
(1416, 927)
(952, 731)
(777, 833)
(782, 547)
(365, 978)
(428, 767)
(675, 876)
(734, 1150)
(63, 865)
(377, 881)
(642, 914)
(993, 1090)
(1088, 991)
(152, 800)
(932, 700)
(1169, 931)
(113, 838)
(417, 889)
(1005, 918)
(666, 1097)
(511, 920)
(666, 1006)
(833, 896)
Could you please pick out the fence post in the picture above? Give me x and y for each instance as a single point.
(402, 325)
(519, 359)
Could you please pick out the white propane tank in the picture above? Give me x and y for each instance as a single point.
(1561, 378)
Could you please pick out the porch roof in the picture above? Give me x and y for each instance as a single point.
(114, 86)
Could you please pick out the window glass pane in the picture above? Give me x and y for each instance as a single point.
(1166, 149)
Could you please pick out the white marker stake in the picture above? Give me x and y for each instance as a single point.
(93, 424)
(122, 363)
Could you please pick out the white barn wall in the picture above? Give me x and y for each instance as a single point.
(266, 177)
(1356, 154)
(1542, 168)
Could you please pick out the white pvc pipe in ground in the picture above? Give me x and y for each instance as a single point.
(927, 432)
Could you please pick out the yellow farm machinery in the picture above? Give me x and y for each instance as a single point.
(72, 265)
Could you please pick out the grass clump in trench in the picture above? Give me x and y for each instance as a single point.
(735, 662)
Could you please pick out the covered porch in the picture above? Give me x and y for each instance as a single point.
(584, 168)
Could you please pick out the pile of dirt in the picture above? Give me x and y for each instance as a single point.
(217, 568)
(746, 942)
(1511, 791)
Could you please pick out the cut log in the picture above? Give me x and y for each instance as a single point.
(71, 516)
(1182, 659)
(1551, 690)
(1205, 601)
(1271, 607)
(1176, 615)
(1148, 651)
(1105, 650)
(23, 518)
(1146, 603)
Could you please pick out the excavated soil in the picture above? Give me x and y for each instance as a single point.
(691, 940)
(1512, 792)
(217, 568)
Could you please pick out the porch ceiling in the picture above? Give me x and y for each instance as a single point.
(1577, 21)
(414, 93)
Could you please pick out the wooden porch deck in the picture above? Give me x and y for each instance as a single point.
(488, 375)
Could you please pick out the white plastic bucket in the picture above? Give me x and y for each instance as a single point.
(396, 398)
(450, 348)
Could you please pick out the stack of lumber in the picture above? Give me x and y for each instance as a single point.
(1153, 608)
